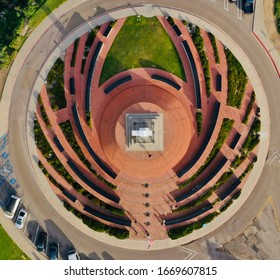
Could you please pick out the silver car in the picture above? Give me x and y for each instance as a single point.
(21, 217)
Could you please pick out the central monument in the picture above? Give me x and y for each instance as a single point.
(144, 132)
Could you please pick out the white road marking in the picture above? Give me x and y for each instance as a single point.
(190, 253)
(239, 9)
(26, 222)
(226, 5)
(275, 156)
(35, 237)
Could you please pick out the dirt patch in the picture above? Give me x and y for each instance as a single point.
(258, 241)
(270, 24)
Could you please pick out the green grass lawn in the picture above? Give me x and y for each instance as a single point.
(142, 43)
(45, 10)
(9, 250)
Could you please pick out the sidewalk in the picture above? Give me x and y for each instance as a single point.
(261, 34)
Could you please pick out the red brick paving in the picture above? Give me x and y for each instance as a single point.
(180, 141)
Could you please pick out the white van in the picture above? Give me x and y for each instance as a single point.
(12, 206)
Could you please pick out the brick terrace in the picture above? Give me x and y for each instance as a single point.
(145, 180)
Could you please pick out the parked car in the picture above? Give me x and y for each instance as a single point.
(73, 255)
(248, 6)
(42, 241)
(54, 251)
(21, 217)
(12, 206)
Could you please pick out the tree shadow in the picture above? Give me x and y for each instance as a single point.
(56, 235)
(149, 64)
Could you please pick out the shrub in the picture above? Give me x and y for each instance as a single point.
(170, 20)
(199, 44)
(199, 122)
(224, 178)
(49, 176)
(43, 112)
(253, 137)
(249, 108)
(120, 233)
(238, 160)
(215, 49)
(236, 195)
(246, 171)
(185, 230)
(55, 85)
(223, 134)
(225, 206)
(71, 139)
(195, 202)
(277, 13)
(237, 80)
(90, 39)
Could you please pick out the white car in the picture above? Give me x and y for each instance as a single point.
(22, 214)
(73, 255)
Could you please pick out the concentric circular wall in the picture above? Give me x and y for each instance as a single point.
(201, 129)
(209, 132)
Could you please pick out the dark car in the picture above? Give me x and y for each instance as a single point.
(248, 6)
(54, 252)
(42, 241)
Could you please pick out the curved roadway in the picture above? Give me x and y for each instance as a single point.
(43, 210)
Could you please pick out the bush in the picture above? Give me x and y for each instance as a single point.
(55, 85)
(249, 108)
(43, 112)
(195, 202)
(199, 122)
(253, 137)
(223, 134)
(48, 153)
(236, 195)
(45, 148)
(224, 178)
(237, 80)
(277, 13)
(225, 206)
(238, 160)
(90, 39)
(185, 230)
(215, 49)
(69, 135)
(49, 176)
(199, 44)
(246, 171)
(170, 20)
(120, 233)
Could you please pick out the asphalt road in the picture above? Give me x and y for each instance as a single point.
(42, 209)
